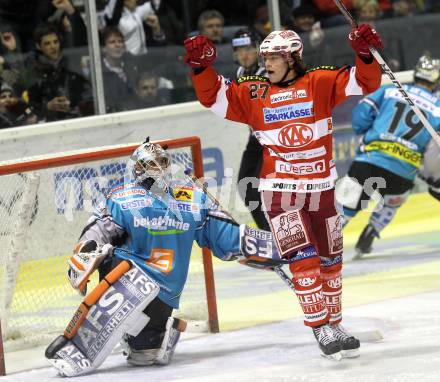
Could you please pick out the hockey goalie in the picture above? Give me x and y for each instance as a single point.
(140, 242)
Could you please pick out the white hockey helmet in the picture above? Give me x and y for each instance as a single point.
(428, 69)
(151, 164)
(284, 42)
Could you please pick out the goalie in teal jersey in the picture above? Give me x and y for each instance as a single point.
(391, 151)
(140, 240)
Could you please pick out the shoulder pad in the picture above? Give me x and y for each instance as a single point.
(323, 67)
(252, 79)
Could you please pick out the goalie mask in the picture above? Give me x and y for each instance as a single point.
(428, 69)
(150, 165)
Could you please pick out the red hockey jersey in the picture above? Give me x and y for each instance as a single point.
(293, 123)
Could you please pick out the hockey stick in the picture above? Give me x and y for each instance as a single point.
(390, 74)
(278, 269)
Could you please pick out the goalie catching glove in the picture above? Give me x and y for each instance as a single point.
(87, 257)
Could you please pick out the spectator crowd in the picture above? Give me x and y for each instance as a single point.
(45, 72)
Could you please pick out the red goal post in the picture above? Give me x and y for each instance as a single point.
(42, 200)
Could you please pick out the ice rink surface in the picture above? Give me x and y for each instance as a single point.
(286, 351)
(394, 291)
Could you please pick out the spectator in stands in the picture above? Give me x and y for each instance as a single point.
(261, 23)
(119, 70)
(130, 18)
(148, 92)
(329, 13)
(14, 112)
(402, 8)
(70, 24)
(210, 24)
(54, 91)
(303, 18)
(11, 62)
(23, 16)
(367, 10)
(169, 22)
(432, 5)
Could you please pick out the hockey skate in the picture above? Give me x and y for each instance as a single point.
(350, 344)
(328, 343)
(365, 241)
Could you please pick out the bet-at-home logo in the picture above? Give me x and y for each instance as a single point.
(162, 223)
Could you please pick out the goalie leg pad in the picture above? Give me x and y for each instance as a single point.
(113, 308)
(164, 354)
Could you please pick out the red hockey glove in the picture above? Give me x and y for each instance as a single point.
(362, 38)
(201, 51)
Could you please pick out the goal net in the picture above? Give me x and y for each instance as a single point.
(44, 205)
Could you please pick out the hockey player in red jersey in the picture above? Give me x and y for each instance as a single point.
(290, 113)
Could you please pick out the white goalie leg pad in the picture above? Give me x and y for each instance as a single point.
(164, 354)
(113, 308)
(173, 329)
(348, 192)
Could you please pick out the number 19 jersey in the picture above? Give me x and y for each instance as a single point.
(394, 138)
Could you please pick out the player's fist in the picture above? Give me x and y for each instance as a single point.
(362, 38)
(200, 51)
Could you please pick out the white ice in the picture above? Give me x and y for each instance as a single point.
(287, 351)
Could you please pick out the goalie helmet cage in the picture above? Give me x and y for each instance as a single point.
(44, 204)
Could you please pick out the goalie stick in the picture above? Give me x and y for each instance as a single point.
(279, 268)
(391, 75)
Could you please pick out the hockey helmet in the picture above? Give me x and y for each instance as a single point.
(285, 43)
(245, 37)
(151, 164)
(427, 69)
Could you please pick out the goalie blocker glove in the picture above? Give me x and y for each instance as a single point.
(87, 257)
(258, 249)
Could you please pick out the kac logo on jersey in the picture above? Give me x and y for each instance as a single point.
(295, 135)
